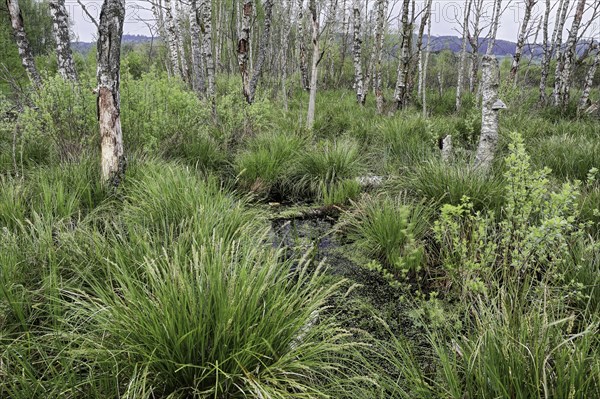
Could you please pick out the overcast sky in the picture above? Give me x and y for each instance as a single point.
(444, 16)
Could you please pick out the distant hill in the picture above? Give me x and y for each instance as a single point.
(85, 47)
(503, 48)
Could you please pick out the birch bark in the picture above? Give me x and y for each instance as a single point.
(16, 20)
(489, 117)
(110, 32)
(310, 117)
(529, 4)
(262, 51)
(243, 48)
(60, 27)
(357, 54)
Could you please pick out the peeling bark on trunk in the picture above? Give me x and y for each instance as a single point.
(16, 20)
(302, 47)
(262, 51)
(489, 117)
(546, 56)
(463, 56)
(198, 82)
(529, 4)
(110, 31)
(60, 27)
(401, 92)
(584, 101)
(310, 117)
(180, 29)
(425, 65)
(172, 40)
(564, 79)
(207, 45)
(361, 93)
(379, 35)
(243, 48)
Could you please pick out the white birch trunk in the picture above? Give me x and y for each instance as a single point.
(16, 20)
(584, 101)
(423, 81)
(172, 39)
(463, 56)
(529, 4)
(198, 82)
(400, 93)
(379, 36)
(302, 47)
(310, 117)
(564, 86)
(546, 56)
(207, 46)
(262, 51)
(180, 33)
(558, 50)
(110, 31)
(494, 27)
(60, 27)
(243, 48)
(489, 117)
(357, 54)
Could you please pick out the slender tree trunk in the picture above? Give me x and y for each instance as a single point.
(589, 80)
(16, 20)
(262, 51)
(180, 32)
(110, 31)
(474, 40)
(379, 35)
(529, 4)
(60, 27)
(361, 93)
(401, 93)
(172, 40)
(284, 52)
(316, 58)
(463, 55)
(424, 22)
(564, 86)
(426, 64)
(546, 56)
(494, 27)
(489, 118)
(198, 83)
(207, 46)
(302, 47)
(557, 49)
(243, 48)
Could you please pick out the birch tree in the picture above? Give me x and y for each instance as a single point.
(589, 80)
(243, 48)
(529, 4)
(316, 58)
(401, 93)
(16, 20)
(262, 51)
(563, 85)
(424, 22)
(545, 65)
(377, 73)
(494, 27)
(207, 51)
(463, 55)
(361, 93)
(172, 40)
(198, 71)
(489, 116)
(302, 47)
(110, 32)
(60, 28)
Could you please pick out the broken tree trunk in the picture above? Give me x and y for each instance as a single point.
(60, 27)
(489, 116)
(110, 32)
(16, 20)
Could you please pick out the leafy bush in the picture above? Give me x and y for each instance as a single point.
(390, 230)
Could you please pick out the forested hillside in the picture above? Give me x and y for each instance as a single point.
(300, 199)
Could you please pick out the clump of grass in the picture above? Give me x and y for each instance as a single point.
(325, 165)
(340, 193)
(390, 230)
(569, 156)
(232, 323)
(449, 183)
(264, 167)
(406, 140)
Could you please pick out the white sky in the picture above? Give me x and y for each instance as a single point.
(444, 17)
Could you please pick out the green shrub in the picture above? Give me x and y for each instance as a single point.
(391, 231)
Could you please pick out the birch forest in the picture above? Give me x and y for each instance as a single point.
(301, 199)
